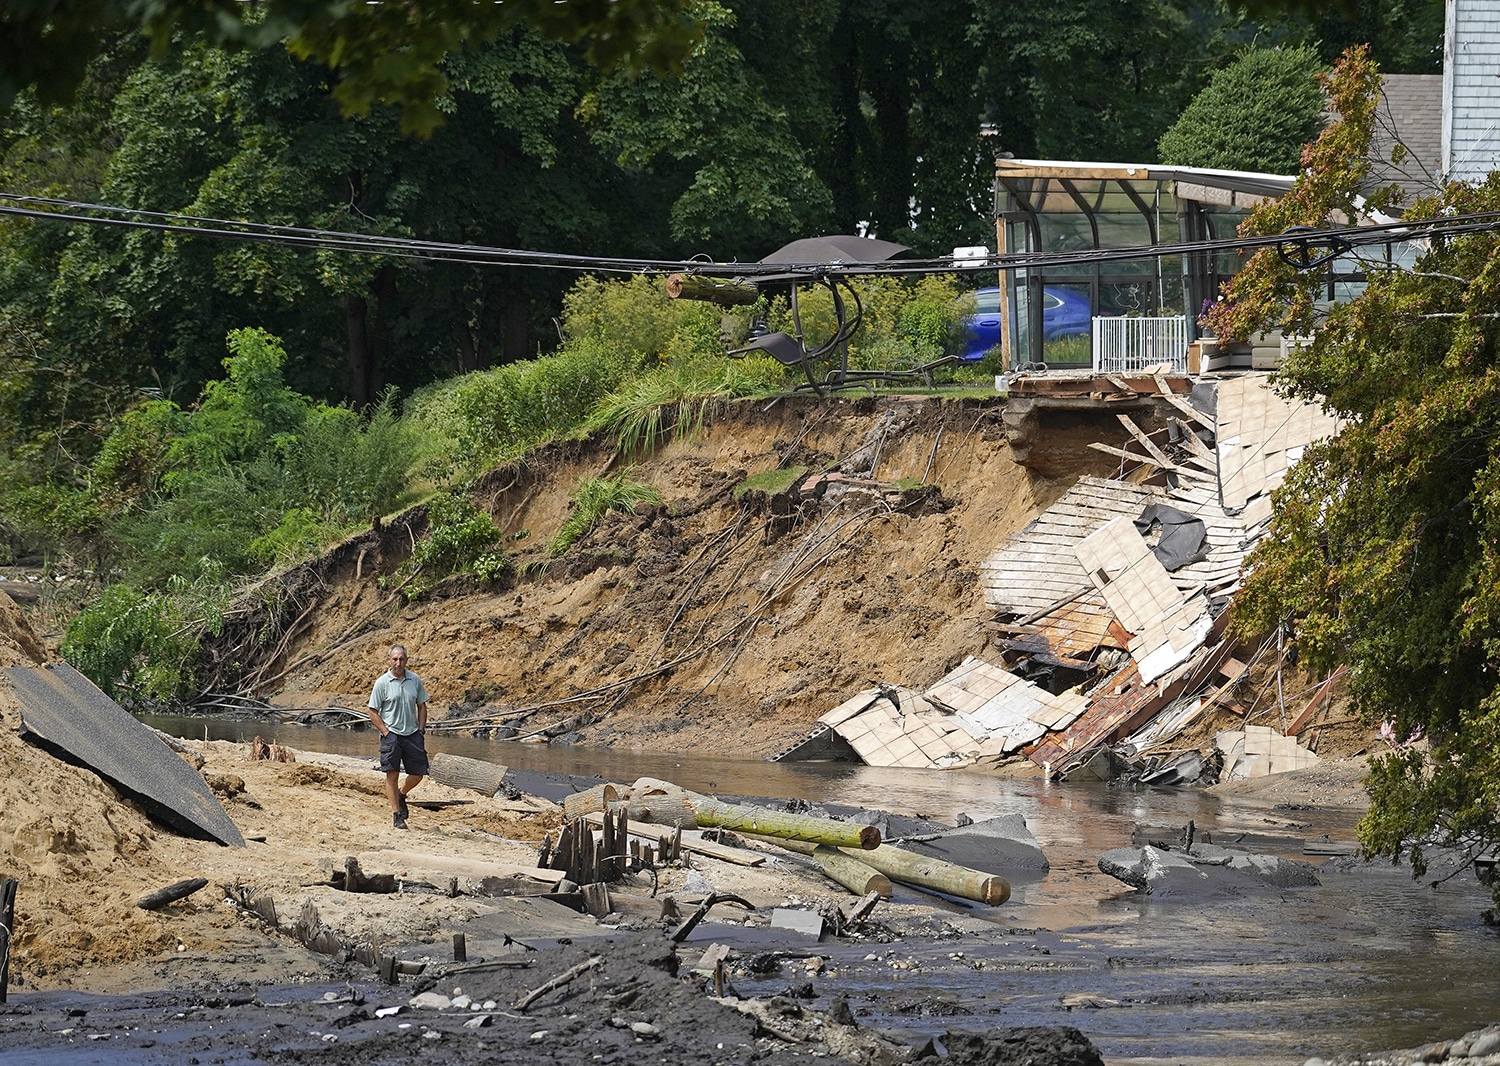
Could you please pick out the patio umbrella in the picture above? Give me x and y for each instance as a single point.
(845, 248)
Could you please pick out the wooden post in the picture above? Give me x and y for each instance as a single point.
(858, 877)
(909, 868)
(170, 894)
(460, 948)
(7, 927)
(766, 822)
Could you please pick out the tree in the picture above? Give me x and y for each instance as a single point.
(1255, 114)
(1385, 551)
(735, 181)
(382, 53)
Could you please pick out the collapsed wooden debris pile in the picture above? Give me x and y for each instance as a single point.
(1111, 611)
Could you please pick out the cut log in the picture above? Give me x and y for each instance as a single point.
(858, 877)
(726, 292)
(597, 798)
(909, 868)
(784, 825)
(170, 894)
(455, 771)
(659, 810)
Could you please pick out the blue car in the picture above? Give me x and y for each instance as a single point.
(1065, 313)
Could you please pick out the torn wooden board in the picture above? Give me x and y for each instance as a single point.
(1123, 704)
(407, 863)
(78, 722)
(1037, 567)
(1069, 636)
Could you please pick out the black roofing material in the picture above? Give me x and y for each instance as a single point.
(1183, 537)
(81, 725)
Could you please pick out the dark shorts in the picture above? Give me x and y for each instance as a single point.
(408, 752)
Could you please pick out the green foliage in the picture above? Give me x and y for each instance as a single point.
(593, 497)
(461, 539)
(906, 322)
(628, 350)
(672, 401)
(1255, 114)
(751, 180)
(1269, 291)
(143, 646)
(770, 481)
(381, 54)
(1385, 553)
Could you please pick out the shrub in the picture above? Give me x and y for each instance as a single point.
(1255, 114)
(461, 539)
(142, 647)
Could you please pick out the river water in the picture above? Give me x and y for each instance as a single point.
(1369, 960)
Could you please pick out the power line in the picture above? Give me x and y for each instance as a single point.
(1303, 246)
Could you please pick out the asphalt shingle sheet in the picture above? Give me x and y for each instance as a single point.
(66, 710)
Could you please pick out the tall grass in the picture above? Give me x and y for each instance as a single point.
(593, 497)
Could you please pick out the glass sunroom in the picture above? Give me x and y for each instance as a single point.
(1116, 313)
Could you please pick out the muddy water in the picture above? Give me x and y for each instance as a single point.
(1367, 961)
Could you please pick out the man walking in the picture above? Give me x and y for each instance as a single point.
(398, 709)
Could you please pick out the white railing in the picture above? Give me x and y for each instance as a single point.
(1136, 343)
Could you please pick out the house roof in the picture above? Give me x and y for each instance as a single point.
(1411, 114)
(1188, 179)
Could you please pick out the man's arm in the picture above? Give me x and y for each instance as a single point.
(422, 717)
(373, 710)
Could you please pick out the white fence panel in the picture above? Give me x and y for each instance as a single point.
(1136, 343)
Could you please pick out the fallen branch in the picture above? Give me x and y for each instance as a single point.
(703, 908)
(561, 979)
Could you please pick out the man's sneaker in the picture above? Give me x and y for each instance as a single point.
(398, 820)
(401, 806)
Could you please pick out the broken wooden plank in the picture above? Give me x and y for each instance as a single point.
(1323, 692)
(1108, 449)
(1145, 441)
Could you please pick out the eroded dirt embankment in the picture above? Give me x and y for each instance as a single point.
(715, 620)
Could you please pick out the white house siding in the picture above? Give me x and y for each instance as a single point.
(1471, 88)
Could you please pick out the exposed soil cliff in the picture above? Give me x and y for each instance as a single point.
(719, 617)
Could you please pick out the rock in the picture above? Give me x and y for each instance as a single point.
(1485, 1044)
(1205, 870)
(430, 1001)
(1282, 873)
(1002, 845)
(1060, 1045)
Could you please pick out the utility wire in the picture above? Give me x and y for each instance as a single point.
(1326, 242)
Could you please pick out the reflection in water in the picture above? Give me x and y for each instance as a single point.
(1364, 962)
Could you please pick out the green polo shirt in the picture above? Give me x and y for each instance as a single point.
(396, 699)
